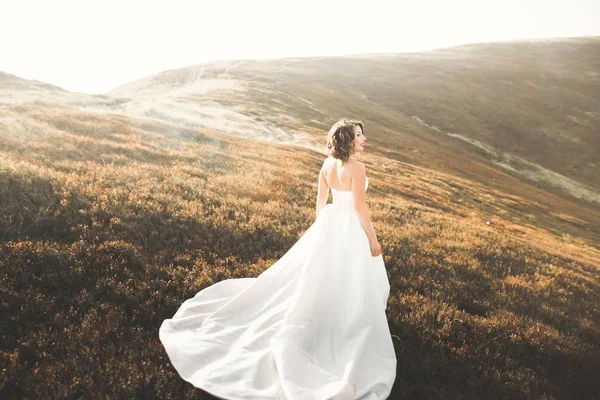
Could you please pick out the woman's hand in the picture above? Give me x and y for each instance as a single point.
(375, 247)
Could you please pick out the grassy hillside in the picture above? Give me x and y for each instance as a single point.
(528, 108)
(108, 229)
(110, 220)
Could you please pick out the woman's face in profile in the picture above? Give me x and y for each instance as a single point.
(359, 139)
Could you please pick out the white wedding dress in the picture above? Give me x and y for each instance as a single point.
(311, 326)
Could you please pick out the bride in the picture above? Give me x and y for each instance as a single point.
(312, 325)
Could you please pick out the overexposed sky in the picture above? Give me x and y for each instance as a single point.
(94, 46)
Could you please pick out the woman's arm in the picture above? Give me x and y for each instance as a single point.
(322, 192)
(359, 177)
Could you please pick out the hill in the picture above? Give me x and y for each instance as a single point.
(115, 208)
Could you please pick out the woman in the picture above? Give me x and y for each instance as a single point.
(311, 326)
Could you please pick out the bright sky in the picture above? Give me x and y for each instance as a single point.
(95, 46)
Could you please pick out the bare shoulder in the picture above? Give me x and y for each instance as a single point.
(357, 167)
(326, 163)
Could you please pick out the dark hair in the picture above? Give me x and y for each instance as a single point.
(340, 138)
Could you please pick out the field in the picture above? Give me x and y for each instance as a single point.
(108, 223)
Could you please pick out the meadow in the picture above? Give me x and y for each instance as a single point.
(108, 223)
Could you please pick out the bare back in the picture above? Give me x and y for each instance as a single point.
(338, 175)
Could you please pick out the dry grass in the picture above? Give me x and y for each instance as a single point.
(109, 223)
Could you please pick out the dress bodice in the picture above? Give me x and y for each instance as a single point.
(343, 199)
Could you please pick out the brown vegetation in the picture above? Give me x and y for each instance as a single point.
(108, 223)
